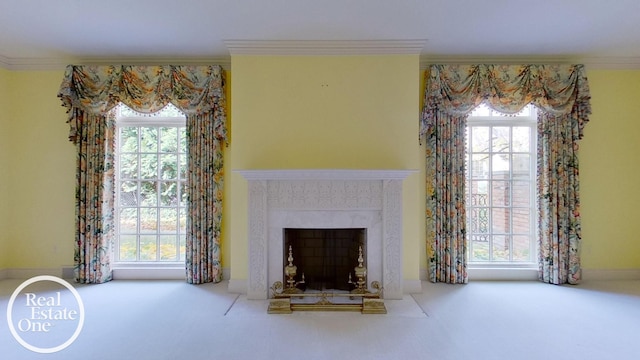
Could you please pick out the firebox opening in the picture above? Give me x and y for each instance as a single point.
(326, 257)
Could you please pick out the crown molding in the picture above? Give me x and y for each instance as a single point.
(591, 62)
(612, 62)
(61, 63)
(4, 62)
(391, 47)
(324, 47)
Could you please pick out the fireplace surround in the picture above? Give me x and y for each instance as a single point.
(325, 199)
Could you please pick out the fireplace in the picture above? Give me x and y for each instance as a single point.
(325, 258)
(324, 199)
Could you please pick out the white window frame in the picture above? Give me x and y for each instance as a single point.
(523, 119)
(145, 120)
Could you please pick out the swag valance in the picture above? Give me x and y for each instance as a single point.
(561, 94)
(457, 89)
(89, 93)
(94, 90)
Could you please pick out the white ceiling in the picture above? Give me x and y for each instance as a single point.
(42, 32)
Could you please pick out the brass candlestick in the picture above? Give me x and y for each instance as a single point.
(361, 274)
(290, 272)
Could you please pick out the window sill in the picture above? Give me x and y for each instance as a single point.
(502, 273)
(149, 271)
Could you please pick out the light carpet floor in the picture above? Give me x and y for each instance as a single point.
(480, 320)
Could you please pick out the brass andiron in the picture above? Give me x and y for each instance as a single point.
(361, 275)
(290, 272)
(370, 303)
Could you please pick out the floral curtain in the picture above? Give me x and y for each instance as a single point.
(561, 93)
(89, 93)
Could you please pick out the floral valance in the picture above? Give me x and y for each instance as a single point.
(457, 89)
(89, 91)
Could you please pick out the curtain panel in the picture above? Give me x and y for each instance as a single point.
(561, 93)
(89, 93)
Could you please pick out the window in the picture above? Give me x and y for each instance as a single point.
(151, 167)
(501, 185)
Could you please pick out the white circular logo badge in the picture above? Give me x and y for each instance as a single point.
(45, 318)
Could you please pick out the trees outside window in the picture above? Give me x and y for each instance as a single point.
(151, 187)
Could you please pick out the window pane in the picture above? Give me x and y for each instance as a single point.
(168, 139)
(501, 248)
(521, 139)
(480, 139)
(129, 139)
(479, 191)
(183, 220)
(129, 193)
(169, 166)
(148, 166)
(148, 220)
(521, 166)
(480, 251)
(148, 139)
(521, 193)
(183, 246)
(182, 158)
(500, 220)
(521, 220)
(500, 193)
(500, 139)
(183, 194)
(168, 247)
(128, 166)
(148, 193)
(128, 220)
(128, 250)
(169, 193)
(521, 248)
(478, 221)
(169, 220)
(480, 166)
(183, 140)
(500, 165)
(148, 247)
(481, 110)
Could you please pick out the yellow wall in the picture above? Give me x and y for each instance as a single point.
(42, 180)
(306, 112)
(609, 172)
(5, 168)
(298, 112)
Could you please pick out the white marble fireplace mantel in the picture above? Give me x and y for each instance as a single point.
(325, 198)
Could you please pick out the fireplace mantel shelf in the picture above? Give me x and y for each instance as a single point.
(326, 174)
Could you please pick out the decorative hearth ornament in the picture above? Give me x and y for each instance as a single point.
(290, 271)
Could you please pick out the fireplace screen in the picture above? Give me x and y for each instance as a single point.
(325, 257)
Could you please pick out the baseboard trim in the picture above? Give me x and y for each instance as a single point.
(610, 274)
(412, 286)
(237, 286)
(424, 274)
(119, 273)
(27, 273)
